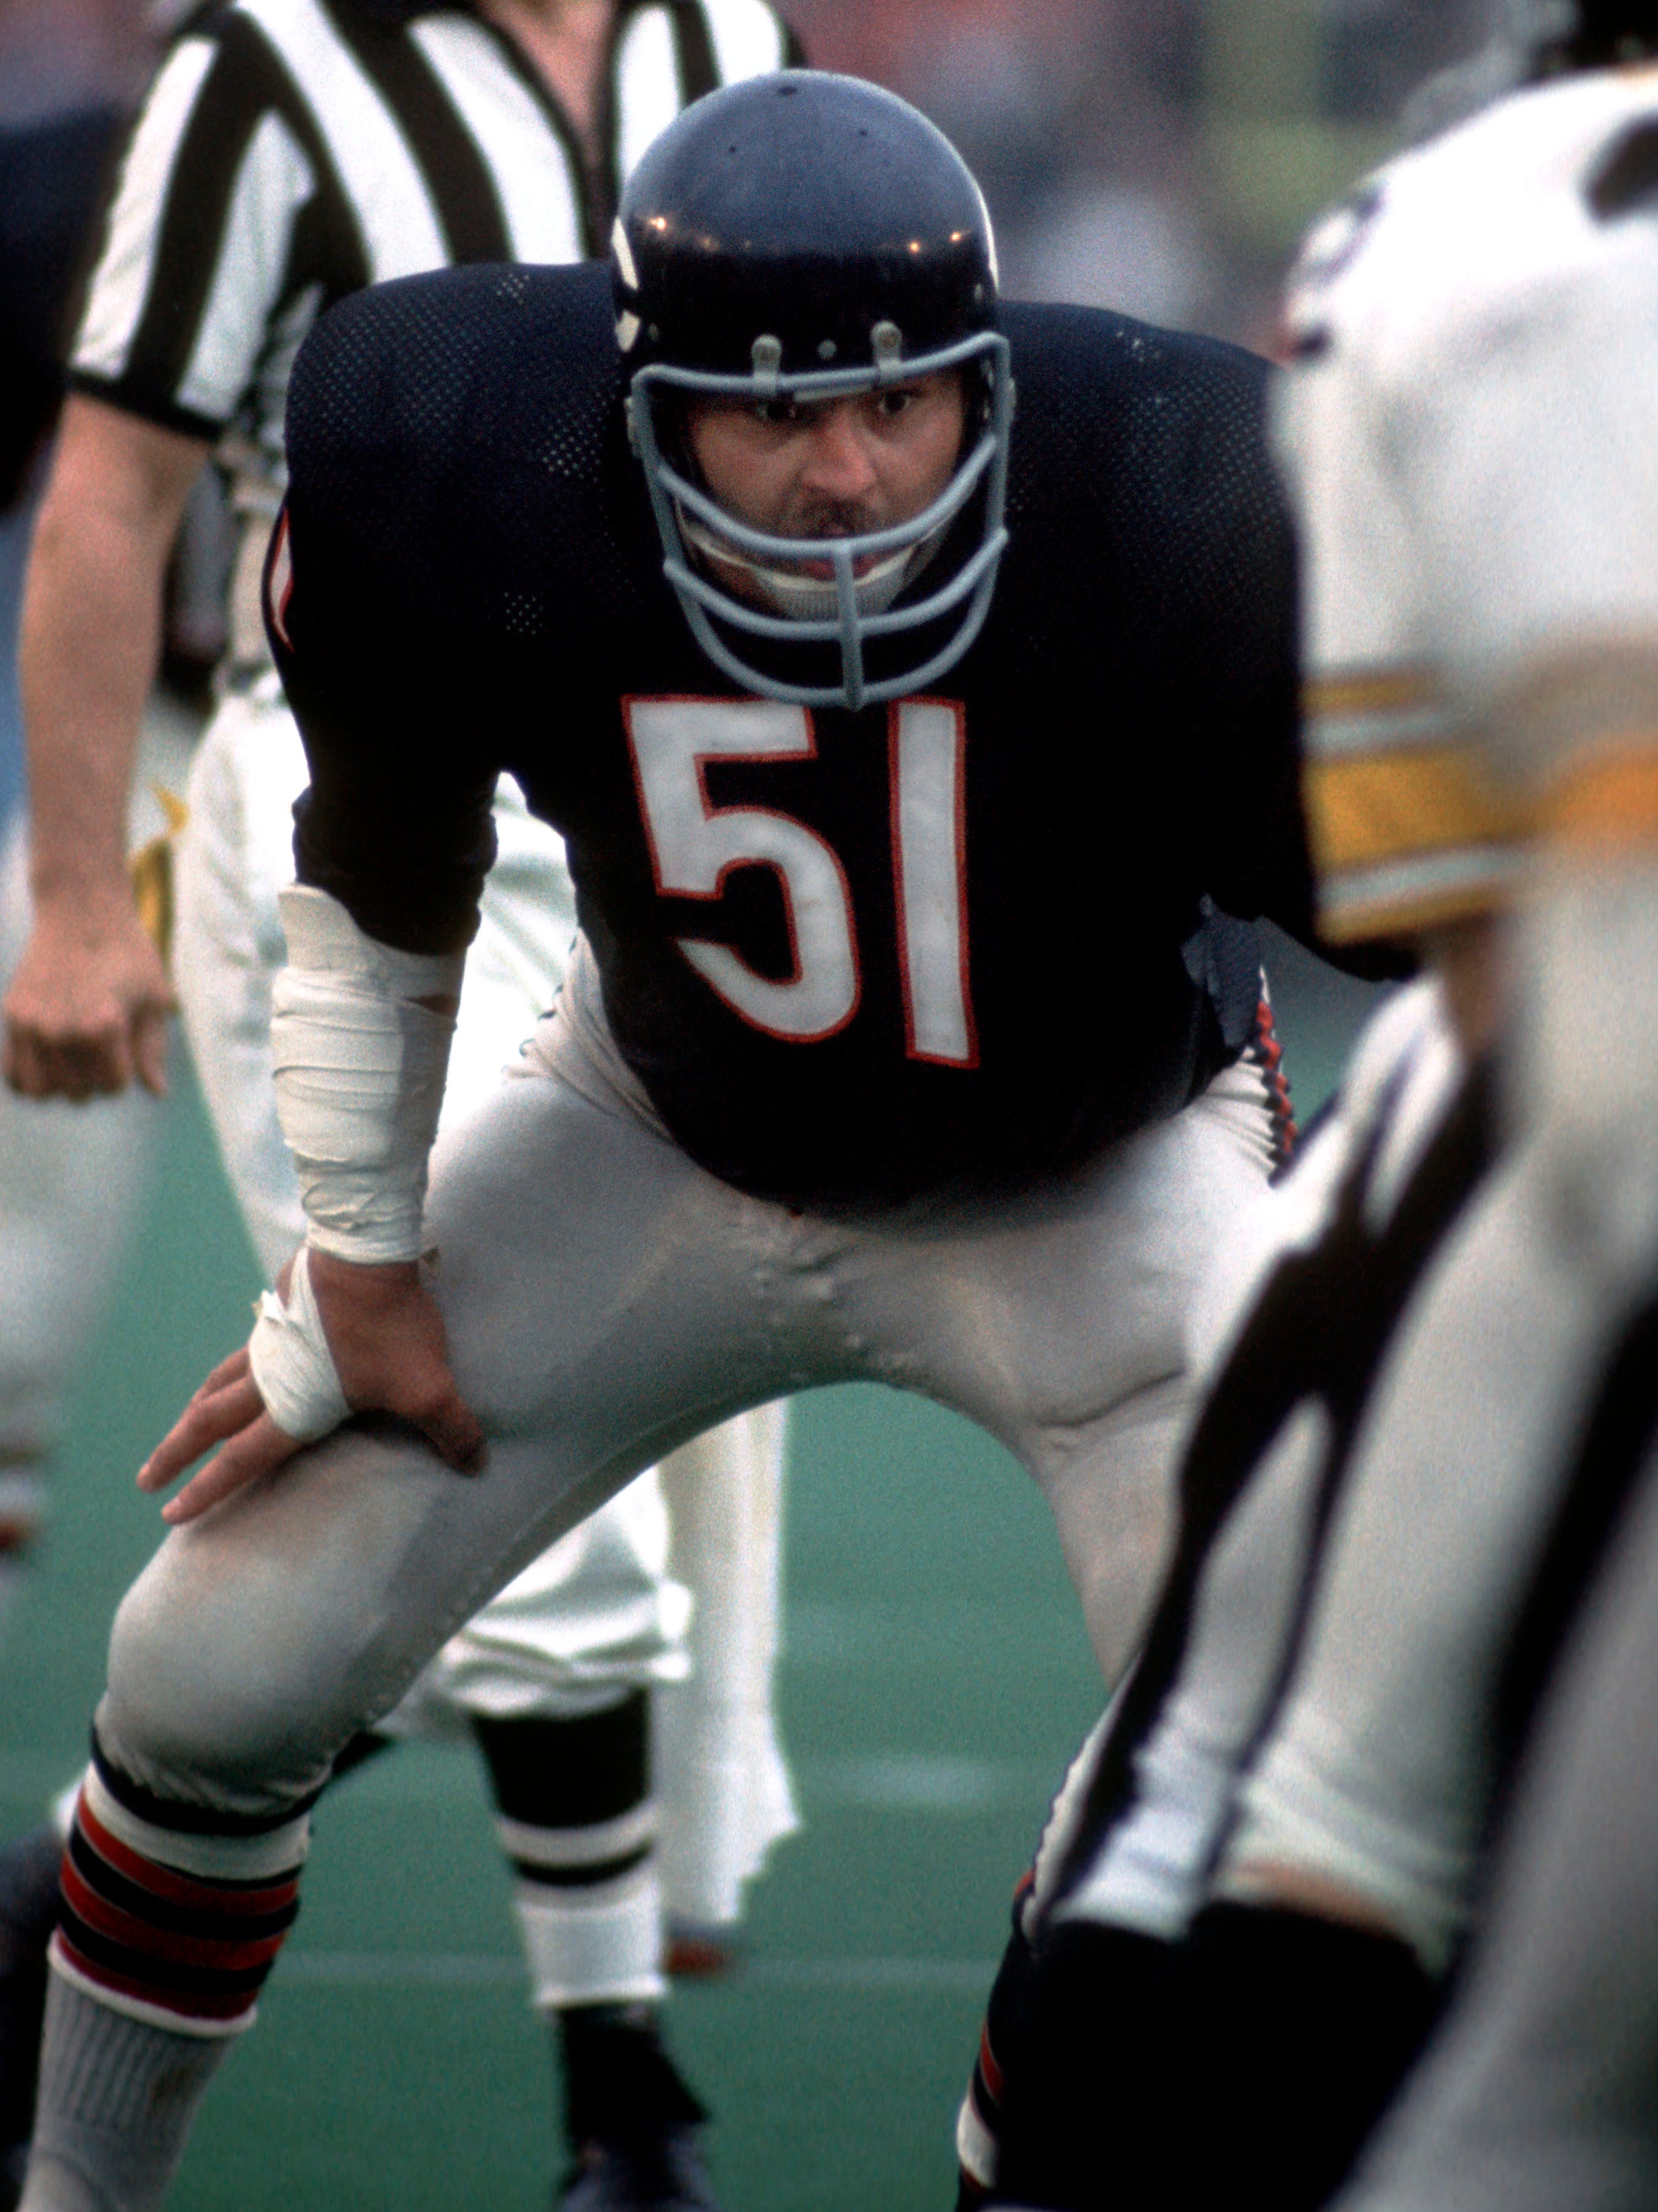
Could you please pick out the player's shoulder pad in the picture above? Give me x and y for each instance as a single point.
(1525, 204)
(1091, 363)
(415, 360)
(421, 410)
(1142, 437)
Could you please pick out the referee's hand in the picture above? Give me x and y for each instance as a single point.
(386, 1336)
(87, 1011)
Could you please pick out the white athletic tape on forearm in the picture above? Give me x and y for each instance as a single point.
(292, 1365)
(359, 1071)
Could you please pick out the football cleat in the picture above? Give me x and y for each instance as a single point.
(661, 2172)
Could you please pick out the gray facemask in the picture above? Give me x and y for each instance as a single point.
(846, 608)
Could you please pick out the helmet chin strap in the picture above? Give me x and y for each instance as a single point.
(812, 598)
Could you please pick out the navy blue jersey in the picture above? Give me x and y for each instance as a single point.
(851, 956)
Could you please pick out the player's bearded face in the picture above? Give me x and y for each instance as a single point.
(836, 469)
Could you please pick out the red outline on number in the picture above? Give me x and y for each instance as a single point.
(894, 710)
(710, 812)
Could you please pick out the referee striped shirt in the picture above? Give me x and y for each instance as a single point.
(292, 151)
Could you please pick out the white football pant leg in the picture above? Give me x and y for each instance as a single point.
(598, 1615)
(722, 1776)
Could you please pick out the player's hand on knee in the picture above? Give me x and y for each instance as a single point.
(87, 1011)
(385, 1338)
(227, 1410)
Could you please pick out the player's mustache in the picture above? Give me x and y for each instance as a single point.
(831, 518)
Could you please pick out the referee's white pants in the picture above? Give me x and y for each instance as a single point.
(600, 1612)
(73, 1180)
(606, 1300)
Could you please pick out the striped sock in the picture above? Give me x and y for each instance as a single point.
(576, 1817)
(978, 2123)
(173, 1915)
(171, 1919)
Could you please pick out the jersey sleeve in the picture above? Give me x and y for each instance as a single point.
(395, 823)
(1361, 611)
(370, 635)
(1479, 478)
(1539, 502)
(1403, 830)
(195, 252)
(1537, 485)
(1236, 588)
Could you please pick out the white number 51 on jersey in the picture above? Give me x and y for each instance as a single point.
(694, 845)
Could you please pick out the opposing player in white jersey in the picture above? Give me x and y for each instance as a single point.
(289, 152)
(1266, 1865)
(1539, 523)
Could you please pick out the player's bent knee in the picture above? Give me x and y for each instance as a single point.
(262, 1637)
(195, 1715)
(235, 1673)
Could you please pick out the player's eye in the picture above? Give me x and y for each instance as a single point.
(776, 410)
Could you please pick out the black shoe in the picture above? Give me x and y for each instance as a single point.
(664, 2173)
(630, 2117)
(28, 1913)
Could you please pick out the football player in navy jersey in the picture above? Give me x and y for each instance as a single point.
(913, 749)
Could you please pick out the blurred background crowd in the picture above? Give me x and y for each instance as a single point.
(1159, 156)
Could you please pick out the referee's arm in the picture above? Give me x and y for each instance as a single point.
(87, 1009)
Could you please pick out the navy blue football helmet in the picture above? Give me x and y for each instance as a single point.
(802, 237)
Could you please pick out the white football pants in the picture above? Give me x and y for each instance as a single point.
(73, 1179)
(605, 1301)
(598, 1612)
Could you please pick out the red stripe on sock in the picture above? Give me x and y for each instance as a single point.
(207, 1896)
(213, 1952)
(987, 2065)
(196, 2007)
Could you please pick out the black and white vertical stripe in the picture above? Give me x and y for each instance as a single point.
(292, 151)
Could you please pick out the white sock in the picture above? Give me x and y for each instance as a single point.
(575, 1818)
(116, 2101)
(603, 1947)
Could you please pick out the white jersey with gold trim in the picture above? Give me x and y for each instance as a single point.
(1469, 430)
